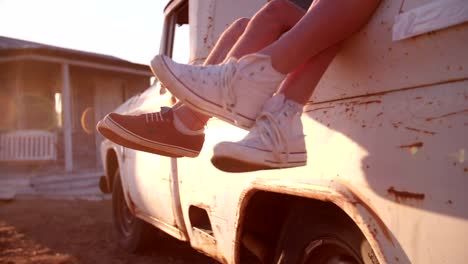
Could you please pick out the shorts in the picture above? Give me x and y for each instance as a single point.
(305, 4)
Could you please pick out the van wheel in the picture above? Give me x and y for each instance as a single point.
(133, 234)
(322, 236)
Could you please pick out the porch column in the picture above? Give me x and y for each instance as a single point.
(19, 100)
(67, 124)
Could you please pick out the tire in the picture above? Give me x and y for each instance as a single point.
(321, 236)
(133, 234)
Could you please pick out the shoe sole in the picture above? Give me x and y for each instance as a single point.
(233, 165)
(186, 95)
(223, 160)
(119, 135)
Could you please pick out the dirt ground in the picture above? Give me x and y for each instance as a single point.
(66, 231)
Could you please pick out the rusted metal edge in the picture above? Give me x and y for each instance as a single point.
(171, 230)
(173, 5)
(362, 96)
(336, 193)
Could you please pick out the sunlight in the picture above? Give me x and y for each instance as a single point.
(461, 155)
(132, 31)
(58, 108)
(181, 52)
(87, 120)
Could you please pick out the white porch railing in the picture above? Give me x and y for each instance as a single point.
(28, 145)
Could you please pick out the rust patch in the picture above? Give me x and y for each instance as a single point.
(449, 202)
(414, 145)
(373, 231)
(370, 102)
(421, 131)
(383, 227)
(465, 169)
(418, 98)
(218, 227)
(397, 124)
(320, 108)
(203, 206)
(401, 196)
(379, 114)
(209, 30)
(352, 103)
(447, 115)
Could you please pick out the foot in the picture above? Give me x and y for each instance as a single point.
(234, 91)
(157, 133)
(276, 141)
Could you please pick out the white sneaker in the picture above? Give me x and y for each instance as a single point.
(275, 141)
(234, 91)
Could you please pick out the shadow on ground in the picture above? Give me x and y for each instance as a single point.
(57, 231)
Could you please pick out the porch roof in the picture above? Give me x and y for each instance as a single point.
(10, 48)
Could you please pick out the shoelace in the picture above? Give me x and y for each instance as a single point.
(227, 75)
(154, 117)
(271, 135)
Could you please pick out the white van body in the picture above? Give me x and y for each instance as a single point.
(386, 134)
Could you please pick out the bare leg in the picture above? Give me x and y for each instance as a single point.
(195, 120)
(245, 37)
(300, 84)
(297, 51)
(226, 41)
(329, 21)
(303, 51)
(266, 26)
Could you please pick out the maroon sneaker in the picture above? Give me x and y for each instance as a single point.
(151, 132)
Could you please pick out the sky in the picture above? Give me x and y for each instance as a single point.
(128, 29)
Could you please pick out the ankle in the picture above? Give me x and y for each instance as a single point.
(295, 104)
(275, 65)
(190, 119)
(280, 102)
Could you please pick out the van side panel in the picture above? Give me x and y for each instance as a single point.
(209, 18)
(370, 62)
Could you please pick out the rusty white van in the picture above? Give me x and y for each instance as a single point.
(387, 136)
